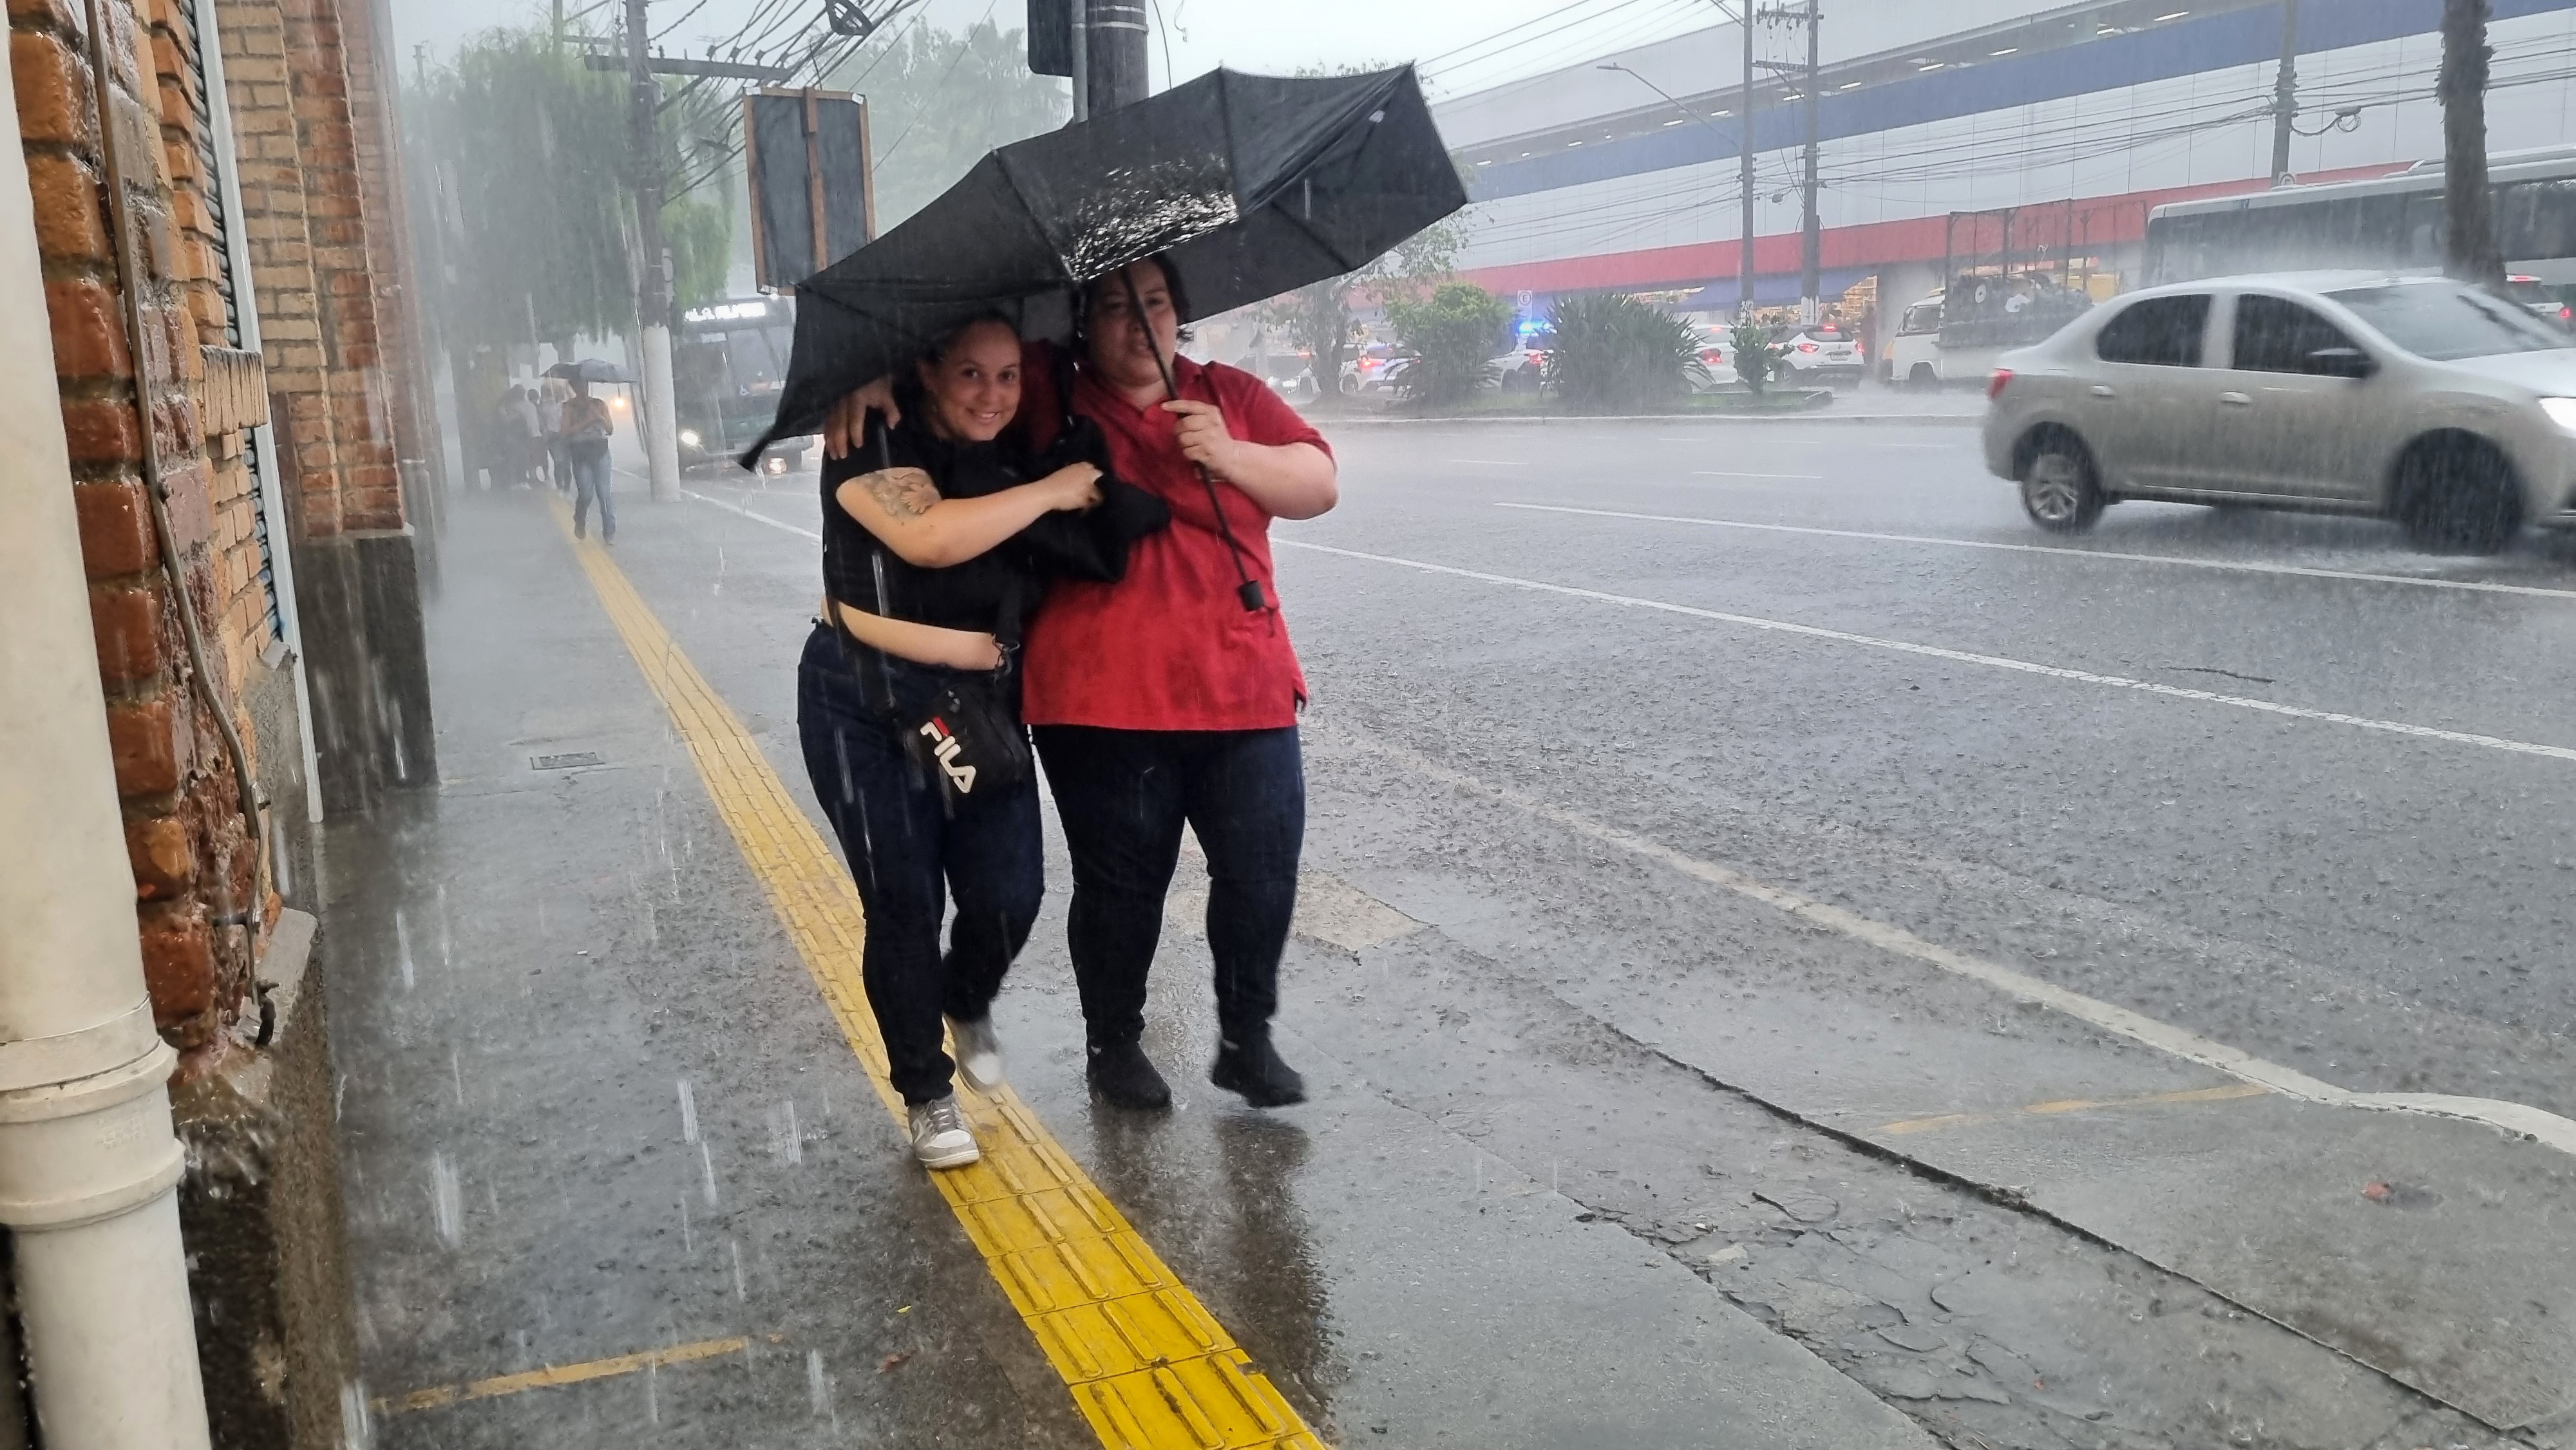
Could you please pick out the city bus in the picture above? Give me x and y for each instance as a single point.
(2396, 222)
(728, 363)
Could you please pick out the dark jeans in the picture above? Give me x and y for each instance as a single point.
(904, 846)
(590, 480)
(1123, 796)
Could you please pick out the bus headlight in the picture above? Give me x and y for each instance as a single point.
(2561, 411)
(689, 438)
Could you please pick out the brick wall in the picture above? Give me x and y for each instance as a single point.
(192, 858)
(308, 226)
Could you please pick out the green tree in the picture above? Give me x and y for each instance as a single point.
(1317, 317)
(1613, 351)
(938, 100)
(1454, 332)
(522, 168)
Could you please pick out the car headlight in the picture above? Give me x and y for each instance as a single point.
(689, 437)
(2561, 411)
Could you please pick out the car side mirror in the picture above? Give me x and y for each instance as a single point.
(2341, 362)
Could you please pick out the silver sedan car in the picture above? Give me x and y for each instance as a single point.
(2418, 399)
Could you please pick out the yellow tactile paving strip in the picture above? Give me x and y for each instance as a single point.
(1149, 1367)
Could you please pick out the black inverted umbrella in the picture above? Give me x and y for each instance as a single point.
(1256, 185)
(590, 370)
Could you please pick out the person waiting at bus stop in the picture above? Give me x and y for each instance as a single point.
(1171, 697)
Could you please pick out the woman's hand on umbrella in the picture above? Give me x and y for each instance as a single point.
(1072, 488)
(847, 427)
(1203, 435)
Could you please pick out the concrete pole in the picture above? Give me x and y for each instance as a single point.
(2468, 202)
(1116, 53)
(2285, 94)
(89, 1166)
(1081, 58)
(653, 292)
(1811, 253)
(1744, 267)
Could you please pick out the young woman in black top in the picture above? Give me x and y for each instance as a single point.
(927, 581)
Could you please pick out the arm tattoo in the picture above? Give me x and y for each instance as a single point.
(905, 493)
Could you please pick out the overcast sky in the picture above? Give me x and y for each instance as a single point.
(1502, 38)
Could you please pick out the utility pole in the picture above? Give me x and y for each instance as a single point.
(1113, 38)
(1811, 252)
(2469, 203)
(1811, 307)
(653, 293)
(2285, 94)
(1744, 263)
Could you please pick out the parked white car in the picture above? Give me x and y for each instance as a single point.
(2444, 407)
(1521, 370)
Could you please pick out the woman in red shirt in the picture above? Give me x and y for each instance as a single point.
(1171, 697)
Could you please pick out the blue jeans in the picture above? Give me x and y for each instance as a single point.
(590, 480)
(908, 852)
(1123, 796)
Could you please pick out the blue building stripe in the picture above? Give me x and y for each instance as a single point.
(2165, 52)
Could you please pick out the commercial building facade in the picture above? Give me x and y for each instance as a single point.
(1622, 172)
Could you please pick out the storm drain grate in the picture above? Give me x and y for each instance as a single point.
(570, 761)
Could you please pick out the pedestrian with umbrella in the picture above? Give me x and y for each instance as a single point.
(587, 428)
(1171, 696)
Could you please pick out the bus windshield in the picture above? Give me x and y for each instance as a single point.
(2444, 323)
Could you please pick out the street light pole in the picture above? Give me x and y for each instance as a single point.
(653, 292)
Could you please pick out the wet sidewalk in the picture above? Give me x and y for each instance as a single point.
(617, 1169)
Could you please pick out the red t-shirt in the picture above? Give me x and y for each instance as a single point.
(1170, 647)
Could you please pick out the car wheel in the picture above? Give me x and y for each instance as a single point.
(1922, 379)
(2059, 488)
(2456, 494)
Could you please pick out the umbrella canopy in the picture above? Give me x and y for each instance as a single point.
(590, 370)
(1255, 185)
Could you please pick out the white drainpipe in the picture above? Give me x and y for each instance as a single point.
(89, 1165)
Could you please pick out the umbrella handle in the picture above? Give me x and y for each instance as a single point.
(1247, 588)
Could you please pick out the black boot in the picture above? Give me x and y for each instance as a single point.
(1124, 1077)
(1252, 1067)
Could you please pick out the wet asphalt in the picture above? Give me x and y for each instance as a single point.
(1597, 1150)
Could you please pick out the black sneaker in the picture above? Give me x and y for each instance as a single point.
(1252, 1068)
(1124, 1077)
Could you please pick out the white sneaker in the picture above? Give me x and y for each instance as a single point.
(940, 1137)
(979, 1054)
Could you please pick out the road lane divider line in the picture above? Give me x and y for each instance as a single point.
(2231, 566)
(1723, 473)
(1964, 657)
(555, 1376)
(1147, 1365)
(2062, 1106)
(758, 518)
(2536, 1124)
(1492, 462)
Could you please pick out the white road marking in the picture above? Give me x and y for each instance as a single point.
(2224, 565)
(2542, 1126)
(735, 508)
(1715, 473)
(1493, 462)
(1998, 662)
